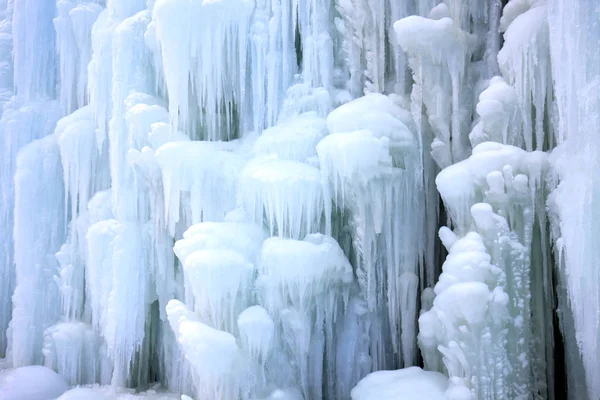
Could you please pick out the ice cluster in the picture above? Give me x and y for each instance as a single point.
(299, 199)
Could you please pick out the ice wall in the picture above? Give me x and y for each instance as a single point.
(575, 74)
(272, 199)
(28, 76)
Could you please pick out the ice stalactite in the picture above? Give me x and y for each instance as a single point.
(274, 60)
(205, 79)
(525, 63)
(34, 48)
(362, 27)
(288, 193)
(73, 26)
(192, 197)
(313, 20)
(77, 353)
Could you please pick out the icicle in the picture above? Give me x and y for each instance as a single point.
(203, 47)
(287, 193)
(525, 62)
(73, 27)
(256, 329)
(34, 48)
(77, 353)
(206, 171)
(314, 21)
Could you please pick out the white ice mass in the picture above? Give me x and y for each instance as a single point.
(299, 199)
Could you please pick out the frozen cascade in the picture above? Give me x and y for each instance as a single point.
(575, 74)
(280, 199)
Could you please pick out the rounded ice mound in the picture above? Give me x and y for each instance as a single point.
(353, 157)
(256, 331)
(285, 394)
(316, 263)
(294, 139)
(210, 351)
(404, 384)
(85, 394)
(243, 237)
(377, 113)
(31, 383)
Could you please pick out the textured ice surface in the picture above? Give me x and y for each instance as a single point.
(77, 353)
(294, 139)
(240, 199)
(574, 202)
(208, 173)
(286, 193)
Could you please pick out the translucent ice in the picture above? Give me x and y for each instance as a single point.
(286, 193)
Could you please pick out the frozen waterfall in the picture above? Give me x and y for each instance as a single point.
(299, 199)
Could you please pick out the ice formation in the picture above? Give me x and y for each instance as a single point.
(299, 199)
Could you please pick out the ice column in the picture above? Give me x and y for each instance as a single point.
(39, 232)
(30, 116)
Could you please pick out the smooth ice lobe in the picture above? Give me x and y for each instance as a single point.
(404, 384)
(31, 383)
